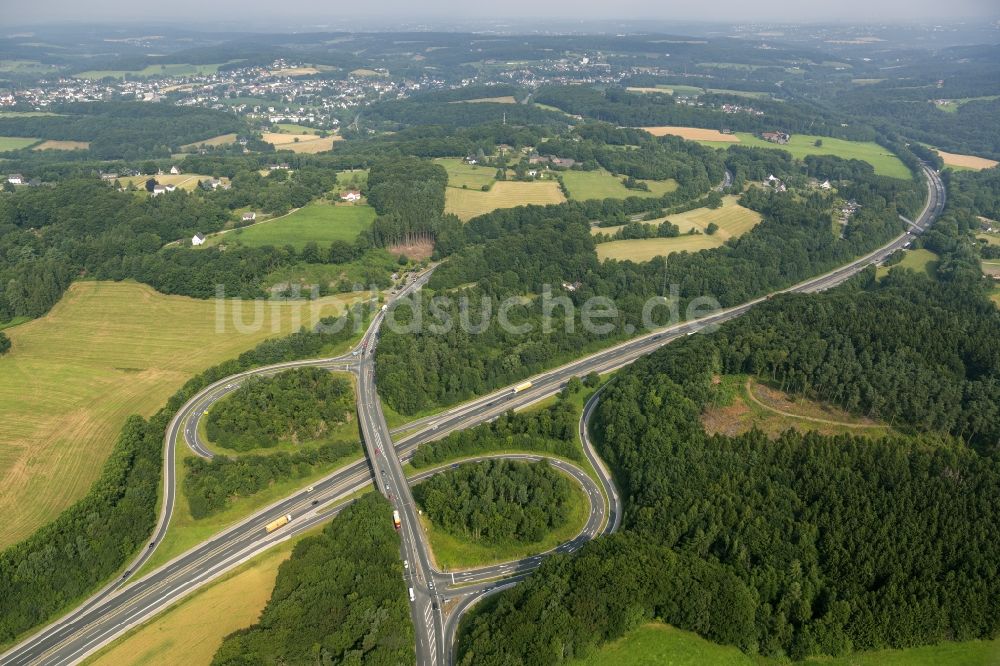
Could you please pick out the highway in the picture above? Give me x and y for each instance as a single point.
(123, 604)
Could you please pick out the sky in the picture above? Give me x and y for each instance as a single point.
(283, 15)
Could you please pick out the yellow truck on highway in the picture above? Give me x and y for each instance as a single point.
(278, 523)
(523, 386)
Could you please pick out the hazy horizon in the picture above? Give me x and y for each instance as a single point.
(323, 15)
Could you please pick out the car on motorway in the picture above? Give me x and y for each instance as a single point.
(406, 564)
(315, 502)
(412, 597)
(310, 489)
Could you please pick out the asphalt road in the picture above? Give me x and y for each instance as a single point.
(120, 606)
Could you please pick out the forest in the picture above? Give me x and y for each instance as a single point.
(126, 130)
(548, 430)
(339, 599)
(497, 501)
(298, 406)
(211, 485)
(838, 543)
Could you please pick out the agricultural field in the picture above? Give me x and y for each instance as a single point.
(300, 143)
(655, 643)
(182, 181)
(451, 552)
(506, 99)
(192, 630)
(62, 145)
(171, 69)
(293, 128)
(469, 176)
(467, 204)
(966, 161)
(800, 145)
(732, 219)
(992, 269)
(693, 134)
(600, 184)
(318, 221)
(694, 91)
(918, 261)
(989, 239)
(129, 345)
(16, 142)
(221, 140)
(752, 404)
(648, 248)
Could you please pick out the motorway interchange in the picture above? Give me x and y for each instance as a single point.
(439, 598)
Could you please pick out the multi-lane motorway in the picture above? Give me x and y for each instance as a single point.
(124, 604)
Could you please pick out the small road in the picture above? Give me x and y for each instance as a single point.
(122, 605)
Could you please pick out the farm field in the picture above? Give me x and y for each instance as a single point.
(995, 295)
(919, 261)
(647, 248)
(183, 181)
(171, 69)
(307, 143)
(190, 631)
(467, 204)
(800, 145)
(601, 184)
(318, 221)
(966, 161)
(694, 91)
(655, 643)
(989, 239)
(506, 99)
(952, 105)
(221, 140)
(469, 175)
(693, 134)
(127, 345)
(62, 145)
(992, 268)
(16, 142)
(455, 553)
(732, 218)
(292, 128)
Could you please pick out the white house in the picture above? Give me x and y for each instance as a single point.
(249, 217)
(15, 179)
(175, 171)
(170, 188)
(198, 239)
(351, 195)
(158, 190)
(825, 185)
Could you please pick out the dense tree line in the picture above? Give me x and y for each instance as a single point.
(497, 501)
(550, 430)
(4, 343)
(638, 230)
(88, 543)
(210, 485)
(125, 130)
(339, 599)
(517, 252)
(298, 405)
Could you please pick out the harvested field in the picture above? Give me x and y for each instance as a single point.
(62, 145)
(966, 161)
(305, 143)
(693, 133)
